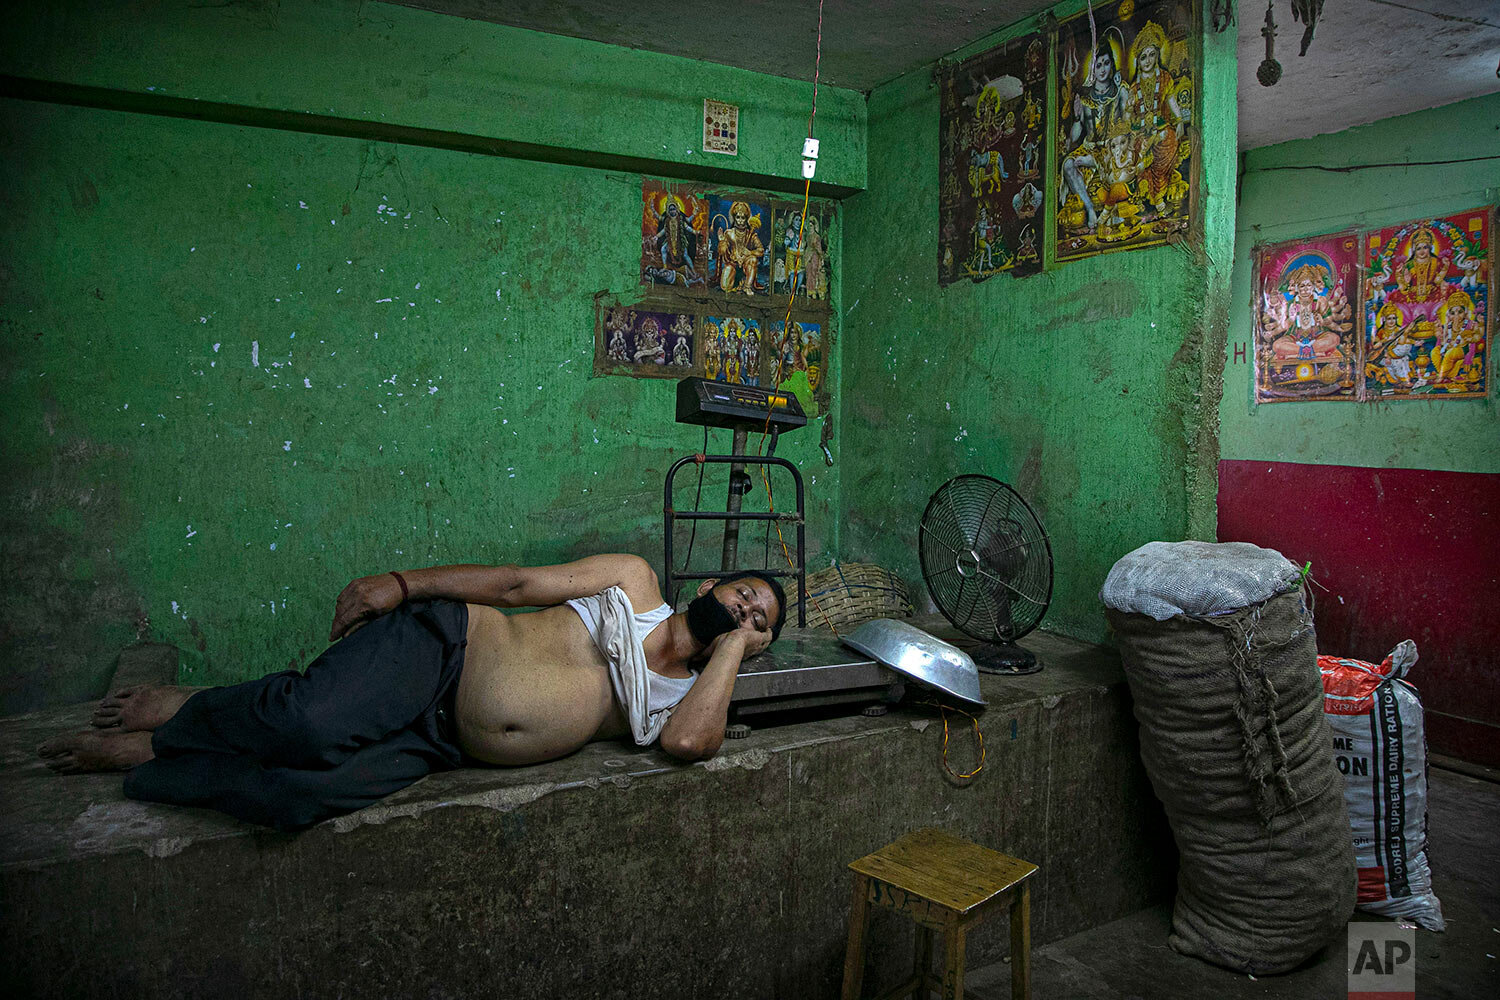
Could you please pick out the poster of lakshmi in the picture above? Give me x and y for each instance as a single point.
(990, 188)
(798, 353)
(1126, 131)
(733, 349)
(632, 340)
(674, 240)
(802, 267)
(739, 245)
(1307, 336)
(1427, 308)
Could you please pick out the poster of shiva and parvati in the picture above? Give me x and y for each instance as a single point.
(990, 189)
(1126, 134)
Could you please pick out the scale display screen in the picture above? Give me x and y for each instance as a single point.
(724, 404)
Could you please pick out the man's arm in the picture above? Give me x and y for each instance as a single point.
(499, 586)
(696, 726)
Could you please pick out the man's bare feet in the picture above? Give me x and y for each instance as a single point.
(141, 708)
(81, 753)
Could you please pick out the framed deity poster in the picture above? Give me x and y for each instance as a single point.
(674, 236)
(733, 349)
(643, 341)
(798, 361)
(1307, 331)
(802, 264)
(1127, 135)
(1427, 316)
(992, 134)
(739, 244)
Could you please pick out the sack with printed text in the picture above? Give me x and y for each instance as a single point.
(1380, 747)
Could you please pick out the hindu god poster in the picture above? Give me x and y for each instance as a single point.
(733, 349)
(799, 351)
(802, 266)
(739, 245)
(674, 241)
(1427, 312)
(1307, 334)
(635, 340)
(1126, 131)
(992, 134)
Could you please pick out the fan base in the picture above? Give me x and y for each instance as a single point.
(1005, 658)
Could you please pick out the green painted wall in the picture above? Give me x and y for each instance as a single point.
(243, 365)
(1092, 387)
(1458, 435)
(383, 63)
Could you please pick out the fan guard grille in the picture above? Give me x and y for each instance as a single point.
(985, 558)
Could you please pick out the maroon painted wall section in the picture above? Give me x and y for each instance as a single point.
(1404, 554)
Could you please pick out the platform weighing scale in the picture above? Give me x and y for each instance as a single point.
(805, 667)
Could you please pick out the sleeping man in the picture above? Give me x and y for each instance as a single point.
(425, 674)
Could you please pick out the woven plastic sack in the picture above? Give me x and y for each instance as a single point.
(1234, 741)
(1162, 579)
(1380, 747)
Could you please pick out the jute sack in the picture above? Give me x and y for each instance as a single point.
(1236, 746)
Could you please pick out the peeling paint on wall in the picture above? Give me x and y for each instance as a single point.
(404, 448)
(1090, 386)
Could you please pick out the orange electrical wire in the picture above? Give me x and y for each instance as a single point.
(786, 332)
(943, 710)
(786, 325)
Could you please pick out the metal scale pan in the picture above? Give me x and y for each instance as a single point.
(807, 668)
(871, 665)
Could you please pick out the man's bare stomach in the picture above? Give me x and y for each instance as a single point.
(534, 687)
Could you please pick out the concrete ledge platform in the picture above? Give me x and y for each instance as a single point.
(615, 871)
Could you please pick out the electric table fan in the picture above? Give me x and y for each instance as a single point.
(988, 565)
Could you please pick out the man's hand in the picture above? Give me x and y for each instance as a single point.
(362, 601)
(695, 729)
(751, 641)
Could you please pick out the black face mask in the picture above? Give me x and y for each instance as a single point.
(708, 619)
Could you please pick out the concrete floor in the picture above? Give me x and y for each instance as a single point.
(1129, 958)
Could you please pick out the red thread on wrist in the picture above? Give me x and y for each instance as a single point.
(405, 593)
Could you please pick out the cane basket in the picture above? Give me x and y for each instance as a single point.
(846, 594)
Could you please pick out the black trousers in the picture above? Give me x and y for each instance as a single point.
(369, 716)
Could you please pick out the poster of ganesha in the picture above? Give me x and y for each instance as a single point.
(1306, 344)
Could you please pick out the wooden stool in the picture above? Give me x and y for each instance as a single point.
(945, 884)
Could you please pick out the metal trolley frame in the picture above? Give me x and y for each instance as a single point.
(732, 518)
